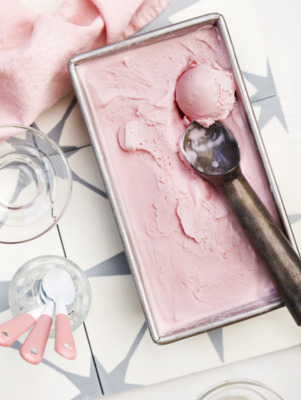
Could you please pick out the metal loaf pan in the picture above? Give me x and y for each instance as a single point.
(141, 40)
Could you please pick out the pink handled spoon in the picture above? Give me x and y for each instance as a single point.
(33, 348)
(59, 286)
(11, 330)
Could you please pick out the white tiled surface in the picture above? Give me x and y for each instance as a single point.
(123, 353)
(279, 371)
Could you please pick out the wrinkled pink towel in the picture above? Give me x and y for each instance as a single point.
(35, 49)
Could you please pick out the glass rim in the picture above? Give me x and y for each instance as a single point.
(237, 381)
(36, 130)
(76, 272)
(67, 184)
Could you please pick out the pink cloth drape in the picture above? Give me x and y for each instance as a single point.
(35, 49)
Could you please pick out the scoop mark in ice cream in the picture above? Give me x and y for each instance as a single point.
(204, 94)
(196, 219)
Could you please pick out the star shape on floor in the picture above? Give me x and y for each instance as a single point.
(266, 97)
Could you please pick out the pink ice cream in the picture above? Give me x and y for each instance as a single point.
(206, 100)
(194, 261)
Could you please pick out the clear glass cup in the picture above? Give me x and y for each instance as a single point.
(25, 288)
(240, 389)
(35, 183)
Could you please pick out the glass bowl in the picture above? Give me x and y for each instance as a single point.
(240, 389)
(35, 183)
(24, 290)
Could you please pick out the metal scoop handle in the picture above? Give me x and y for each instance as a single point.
(268, 241)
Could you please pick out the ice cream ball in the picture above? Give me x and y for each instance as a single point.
(205, 93)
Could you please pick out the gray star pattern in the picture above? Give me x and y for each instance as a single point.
(114, 381)
(266, 90)
(116, 265)
(216, 337)
(295, 218)
(87, 386)
(4, 286)
(163, 19)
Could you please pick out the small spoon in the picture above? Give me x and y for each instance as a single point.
(214, 154)
(58, 285)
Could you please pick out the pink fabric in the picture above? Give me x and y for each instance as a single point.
(35, 49)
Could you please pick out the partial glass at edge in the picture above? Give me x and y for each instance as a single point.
(240, 389)
(35, 183)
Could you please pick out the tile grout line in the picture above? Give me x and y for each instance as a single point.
(84, 325)
(271, 96)
(61, 240)
(93, 359)
(70, 150)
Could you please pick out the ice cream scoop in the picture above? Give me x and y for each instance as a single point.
(205, 93)
(58, 285)
(214, 154)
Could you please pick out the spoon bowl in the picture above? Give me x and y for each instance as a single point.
(58, 286)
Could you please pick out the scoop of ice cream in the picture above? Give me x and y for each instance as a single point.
(205, 94)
